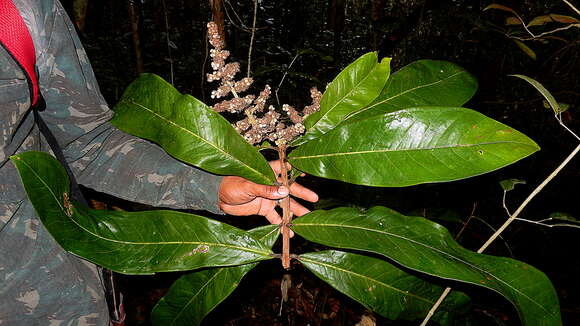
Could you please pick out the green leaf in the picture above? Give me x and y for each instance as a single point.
(504, 8)
(527, 50)
(545, 93)
(513, 21)
(193, 296)
(542, 20)
(268, 234)
(130, 242)
(188, 130)
(422, 83)
(563, 217)
(382, 287)
(354, 87)
(563, 107)
(424, 246)
(413, 146)
(510, 184)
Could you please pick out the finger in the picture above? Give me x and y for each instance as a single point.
(275, 165)
(239, 210)
(236, 190)
(268, 192)
(302, 192)
(273, 217)
(298, 209)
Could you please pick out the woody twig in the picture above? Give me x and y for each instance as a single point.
(258, 124)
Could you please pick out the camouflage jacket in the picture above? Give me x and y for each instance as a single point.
(40, 284)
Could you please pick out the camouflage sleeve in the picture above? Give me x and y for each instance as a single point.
(101, 156)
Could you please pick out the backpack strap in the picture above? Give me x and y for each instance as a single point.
(16, 39)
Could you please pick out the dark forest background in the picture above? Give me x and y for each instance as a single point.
(310, 42)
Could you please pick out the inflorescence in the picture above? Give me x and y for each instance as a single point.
(259, 123)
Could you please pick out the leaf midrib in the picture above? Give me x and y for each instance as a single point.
(220, 270)
(408, 149)
(258, 173)
(193, 297)
(403, 93)
(346, 95)
(434, 249)
(55, 198)
(367, 278)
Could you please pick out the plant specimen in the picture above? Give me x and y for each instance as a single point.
(369, 127)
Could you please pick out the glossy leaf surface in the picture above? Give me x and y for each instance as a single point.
(193, 296)
(188, 130)
(413, 146)
(424, 246)
(382, 287)
(423, 83)
(355, 87)
(130, 242)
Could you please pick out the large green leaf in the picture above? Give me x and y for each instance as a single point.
(424, 246)
(412, 146)
(193, 296)
(268, 234)
(384, 288)
(131, 242)
(423, 83)
(188, 130)
(355, 87)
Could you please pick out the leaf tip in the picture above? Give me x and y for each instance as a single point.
(386, 61)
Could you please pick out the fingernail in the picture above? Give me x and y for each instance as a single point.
(282, 191)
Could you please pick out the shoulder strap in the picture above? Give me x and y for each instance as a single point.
(76, 193)
(16, 39)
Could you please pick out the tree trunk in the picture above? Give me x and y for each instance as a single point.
(335, 22)
(217, 13)
(134, 20)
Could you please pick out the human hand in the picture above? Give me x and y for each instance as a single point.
(238, 196)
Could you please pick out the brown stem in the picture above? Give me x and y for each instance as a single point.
(217, 13)
(286, 213)
(134, 17)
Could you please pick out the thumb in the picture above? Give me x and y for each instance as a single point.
(269, 192)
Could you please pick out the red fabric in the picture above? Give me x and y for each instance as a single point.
(17, 41)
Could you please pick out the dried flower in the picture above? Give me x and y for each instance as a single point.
(237, 104)
(214, 36)
(316, 95)
(256, 125)
(292, 113)
(243, 85)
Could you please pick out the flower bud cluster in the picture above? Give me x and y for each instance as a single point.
(214, 36)
(316, 95)
(225, 73)
(258, 124)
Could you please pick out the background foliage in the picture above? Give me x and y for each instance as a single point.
(331, 34)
